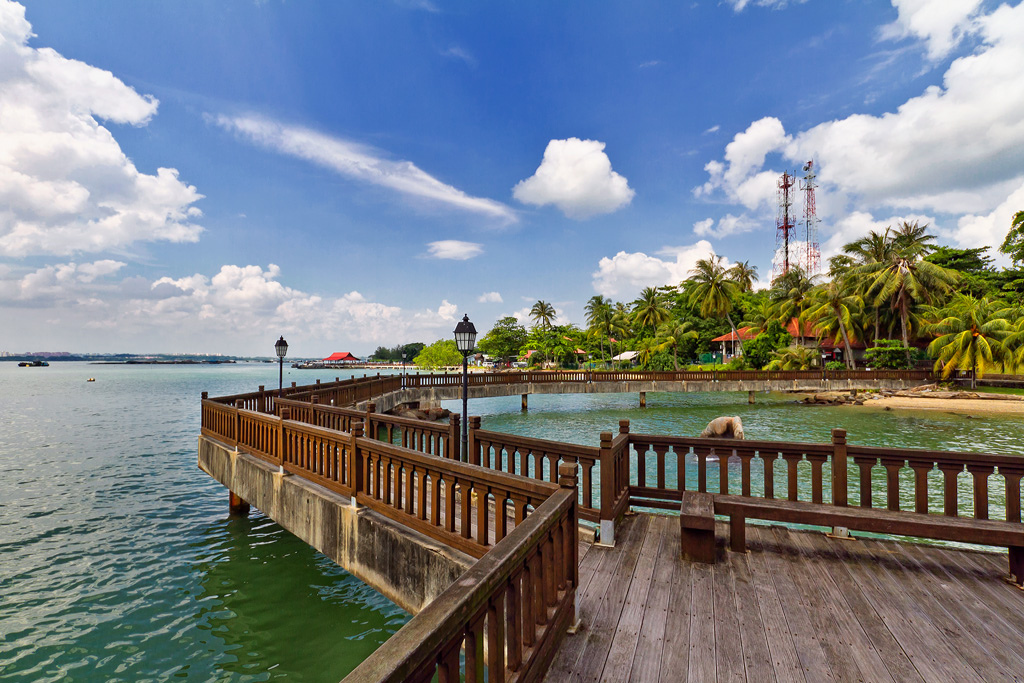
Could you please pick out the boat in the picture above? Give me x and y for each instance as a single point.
(33, 364)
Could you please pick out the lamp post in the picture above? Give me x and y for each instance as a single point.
(403, 369)
(823, 357)
(465, 341)
(281, 347)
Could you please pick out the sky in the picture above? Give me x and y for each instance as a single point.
(195, 177)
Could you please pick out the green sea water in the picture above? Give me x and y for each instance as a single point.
(119, 561)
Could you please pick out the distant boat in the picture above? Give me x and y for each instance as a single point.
(33, 364)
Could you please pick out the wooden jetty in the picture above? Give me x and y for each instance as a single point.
(671, 590)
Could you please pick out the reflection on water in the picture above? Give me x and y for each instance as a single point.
(118, 560)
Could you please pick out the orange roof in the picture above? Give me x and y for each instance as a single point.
(745, 334)
(793, 327)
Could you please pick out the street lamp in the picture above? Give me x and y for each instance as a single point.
(823, 357)
(403, 369)
(281, 347)
(465, 341)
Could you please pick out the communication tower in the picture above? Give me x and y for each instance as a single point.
(784, 223)
(813, 251)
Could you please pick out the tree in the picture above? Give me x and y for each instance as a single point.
(971, 336)
(1013, 245)
(886, 354)
(442, 353)
(713, 290)
(648, 309)
(905, 281)
(543, 314)
(833, 308)
(504, 339)
(671, 334)
(599, 319)
(744, 275)
(789, 293)
(759, 350)
(792, 358)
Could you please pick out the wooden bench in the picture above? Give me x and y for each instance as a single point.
(963, 530)
(697, 527)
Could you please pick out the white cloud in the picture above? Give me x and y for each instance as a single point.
(713, 129)
(649, 64)
(460, 53)
(941, 24)
(727, 225)
(628, 273)
(454, 249)
(490, 298)
(740, 5)
(68, 282)
(360, 162)
(65, 184)
(744, 156)
(991, 228)
(577, 177)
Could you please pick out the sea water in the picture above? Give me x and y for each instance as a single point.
(119, 561)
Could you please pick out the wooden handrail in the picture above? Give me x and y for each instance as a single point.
(518, 598)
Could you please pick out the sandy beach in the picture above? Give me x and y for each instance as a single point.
(984, 403)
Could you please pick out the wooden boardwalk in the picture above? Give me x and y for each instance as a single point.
(798, 606)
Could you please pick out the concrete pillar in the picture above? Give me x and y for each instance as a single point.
(236, 505)
(524, 402)
(643, 399)
(750, 397)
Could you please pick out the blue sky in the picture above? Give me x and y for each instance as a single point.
(355, 174)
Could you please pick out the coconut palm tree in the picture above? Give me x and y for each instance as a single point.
(761, 314)
(875, 247)
(671, 334)
(648, 309)
(792, 358)
(789, 293)
(971, 337)
(713, 291)
(905, 281)
(744, 275)
(833, 309)
(599, 317)
(543, 314)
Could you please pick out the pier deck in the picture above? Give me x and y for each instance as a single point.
(799, 606)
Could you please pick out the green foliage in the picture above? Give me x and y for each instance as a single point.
(394, 354)
(835, 365)
(887, 354)
(760, 349)
(1013, 245)
(441, 353)
(504, 340)
(738, 363)
(793, 358)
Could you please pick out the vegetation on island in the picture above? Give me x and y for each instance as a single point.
(896, 294)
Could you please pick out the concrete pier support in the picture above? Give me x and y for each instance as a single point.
(750, 397)
(643, 399)
(524, 405)
(236, 505)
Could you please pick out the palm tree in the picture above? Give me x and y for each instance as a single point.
(648, 309)
(713, 291)
(905, 281)
(543, 314)
(789, 292)
(671, 334)
(875, 247)
(971, 336)
(599, 318)
(761, 314)
(792, 358)
(833, 308)
(744, 275)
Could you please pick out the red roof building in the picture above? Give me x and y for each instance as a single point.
(745, 334)
(340, 357)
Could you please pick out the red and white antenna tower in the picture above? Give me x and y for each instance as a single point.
(813, 251)
(784, 223)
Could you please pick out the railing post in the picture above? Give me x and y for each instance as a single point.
(238, 421)
(368, 427)
(607, 491)
(454, 436)
(474, 454)
(357, 476)
(839, 463)
(286, 414)
(261, 402)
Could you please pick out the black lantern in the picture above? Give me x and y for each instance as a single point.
(281, 348)
(465, 336)
(465, 342)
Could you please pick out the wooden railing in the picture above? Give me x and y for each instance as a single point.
(527, 456)
(507, 613)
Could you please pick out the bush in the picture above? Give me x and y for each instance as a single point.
(889, 354)
(835, 365)
(758, 351)
(737, 363)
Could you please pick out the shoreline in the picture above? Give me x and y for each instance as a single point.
(987, 404)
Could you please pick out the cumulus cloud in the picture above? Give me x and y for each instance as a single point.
(360, 162)
(577, 177)
(956, 149)
(68, 282)
(627, 273)
(727, 225)
(991, 228)
(65, 184)
(941, 24)
(454, 249)
(490, 298)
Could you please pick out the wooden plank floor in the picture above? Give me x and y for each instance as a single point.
(798, 606)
